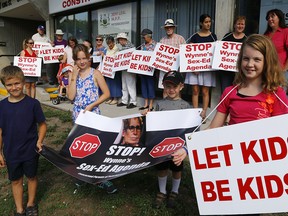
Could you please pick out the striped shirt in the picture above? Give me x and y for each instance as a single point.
(176, 40)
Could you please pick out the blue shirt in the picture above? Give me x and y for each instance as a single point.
(18, 122)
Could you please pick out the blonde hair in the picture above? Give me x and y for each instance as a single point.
(10, 72)
(272, 74)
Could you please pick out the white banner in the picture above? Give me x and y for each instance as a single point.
(40, 45)
(107, 66)
(226, 55)
(139, 63)
(165, 57)
(196, 57)
(51, 54)
(122, 59)
(241, 169)
(29, 65)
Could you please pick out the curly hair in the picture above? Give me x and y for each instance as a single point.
(272, 74)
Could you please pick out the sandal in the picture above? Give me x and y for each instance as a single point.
(160, 199)
(32, 210)
(20, 214)
(171, 203)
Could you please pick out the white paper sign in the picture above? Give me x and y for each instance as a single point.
(164, 57)
(51, 54)
(29, 65)
(241, 169)
(196, 57)
(122, 59)
(106, 67)
(40, 45)
(139, 63)
(226, 55)
(96, 58)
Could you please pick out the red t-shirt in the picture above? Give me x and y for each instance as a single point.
(248, 108)
(280, 41)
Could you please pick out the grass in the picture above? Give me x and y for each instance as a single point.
(56, 196)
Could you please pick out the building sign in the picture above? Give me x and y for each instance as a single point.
(56, 6)
(6, 5)
(116, 19)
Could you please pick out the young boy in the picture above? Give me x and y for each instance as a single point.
(19, 117)
(173, 84)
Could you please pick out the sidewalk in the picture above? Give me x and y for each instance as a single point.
(106, 109)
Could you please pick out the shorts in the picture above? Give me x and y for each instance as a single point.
(169, 165)
(18, 169)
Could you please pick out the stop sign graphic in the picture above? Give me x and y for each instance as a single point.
(167, 146)
(84, 145)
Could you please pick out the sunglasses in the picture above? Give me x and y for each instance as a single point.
(98, 39)
(138, 128)
(30, 42)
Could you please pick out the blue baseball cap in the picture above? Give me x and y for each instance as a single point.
(41, 27)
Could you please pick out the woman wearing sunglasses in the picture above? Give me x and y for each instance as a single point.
(30, 82)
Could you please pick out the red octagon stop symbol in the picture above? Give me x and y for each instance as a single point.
(167, 146)
(84, 145)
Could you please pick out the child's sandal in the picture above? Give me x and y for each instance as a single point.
(160, 199)
(32, 210)
(171, 203)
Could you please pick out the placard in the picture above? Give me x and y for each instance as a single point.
(106, 67)
(226, 55)
(30, 66)
(196, 57)
(164, 57)
(51, 54)
(122, 59)
(139, 63)
(241, 169)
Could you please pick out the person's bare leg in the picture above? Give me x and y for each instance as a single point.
(33, 90)
(205, 96)
(17, 190)
(32, 189)
(28, 89)
(195, 95)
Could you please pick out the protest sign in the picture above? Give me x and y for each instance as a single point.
(226, 55)
(241, 169)
(99, 148)
(122, 59)
(29, 65)
(51, 54)
(165, 57)
(106, 67)
(196, 57)
(139, 63)
(40, 45)
(96, 58)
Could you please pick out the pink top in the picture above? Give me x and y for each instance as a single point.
(248, 108)
(280, 40)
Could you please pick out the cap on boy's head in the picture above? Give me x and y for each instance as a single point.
(41, 27)
(174, 77)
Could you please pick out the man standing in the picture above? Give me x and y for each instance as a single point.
(40, 36)
(171, 39)
(128, 79)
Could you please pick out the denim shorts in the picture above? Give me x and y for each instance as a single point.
(19, 169)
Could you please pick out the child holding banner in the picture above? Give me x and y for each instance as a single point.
(173, 83)
(30, 82)
(258, 87)
(20, 116)
(84, 83)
